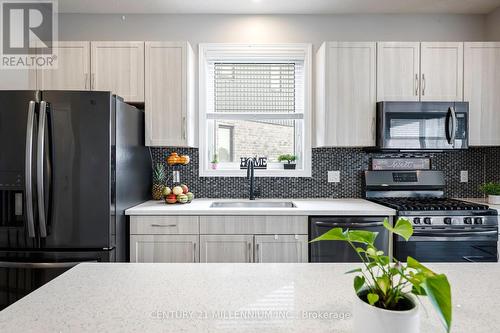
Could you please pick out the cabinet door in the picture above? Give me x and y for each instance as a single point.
(164, 248)
(226, 248)
(281, 248)
(119, 67)
(73, 68)
(168, 99)
(398, 65)
(441, 71)
(350, 94)
(481, 90)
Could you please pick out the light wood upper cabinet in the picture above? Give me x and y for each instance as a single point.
(169, 85)
(281, 248)
(481, 90)
(73, 68)
(226, 248)
(345, 94)
(398, 70)
(441, 71)
(164, 248)
(119, 67)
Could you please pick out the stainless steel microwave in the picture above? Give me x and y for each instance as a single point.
(422, 125)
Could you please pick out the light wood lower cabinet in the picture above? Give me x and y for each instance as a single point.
(226, 248)
(281, 248)
(164, 248)
(218, 239)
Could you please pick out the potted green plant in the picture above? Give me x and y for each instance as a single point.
(289, 158)
(491, 189)
(386, 290)
(214, 162)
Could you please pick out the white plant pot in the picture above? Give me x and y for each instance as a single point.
(494, 199)
(368, 318)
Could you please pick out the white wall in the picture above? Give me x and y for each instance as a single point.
(272, 28)
(493, 25)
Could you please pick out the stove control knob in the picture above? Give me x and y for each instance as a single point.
(427, 220)
(478, 220)
(447, 220)
(468, 220)
(416, 220)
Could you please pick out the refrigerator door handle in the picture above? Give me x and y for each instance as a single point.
(69, 264)
(30, 219)
(40, 156)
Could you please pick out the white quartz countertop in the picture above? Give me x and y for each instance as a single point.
(303, 207)
(122, 297)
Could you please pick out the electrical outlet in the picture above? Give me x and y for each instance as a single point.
(464, 176)
(334, 176)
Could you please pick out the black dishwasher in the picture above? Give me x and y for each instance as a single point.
(338, 251)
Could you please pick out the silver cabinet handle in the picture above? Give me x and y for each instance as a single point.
(423, 84)
(194, 252)
(249, 251)
(164, 225)
(183, 127)
(92, 81)
(40, 155)
(257, 248)
(30, 219)
(416, 84)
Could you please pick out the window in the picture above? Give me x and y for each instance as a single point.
(254, 102)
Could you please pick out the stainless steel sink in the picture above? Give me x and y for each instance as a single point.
(253, 204)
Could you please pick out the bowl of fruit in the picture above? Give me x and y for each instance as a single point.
(178, 194)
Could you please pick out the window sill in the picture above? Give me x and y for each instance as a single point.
(258, 173)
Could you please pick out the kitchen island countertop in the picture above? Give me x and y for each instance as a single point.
(121, 297)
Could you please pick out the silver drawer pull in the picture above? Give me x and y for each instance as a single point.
(164, 225)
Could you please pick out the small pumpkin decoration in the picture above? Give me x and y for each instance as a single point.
(185, 159)
(173, 159)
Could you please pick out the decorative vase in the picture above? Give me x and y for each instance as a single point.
(494, 199)
(369, 318)
(289, 166)
(214, 166)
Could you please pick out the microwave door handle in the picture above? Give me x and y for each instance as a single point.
(454, 125)
(40, 158)
(30, 219)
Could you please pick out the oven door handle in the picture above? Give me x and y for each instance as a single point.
(455, 234)
(348, 225)
(474, 258)
(62, 264)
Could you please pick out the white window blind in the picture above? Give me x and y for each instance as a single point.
(254, 87)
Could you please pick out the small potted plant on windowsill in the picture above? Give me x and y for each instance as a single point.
(492, 189)
(214, 162)
(386, 291)
(289, 158)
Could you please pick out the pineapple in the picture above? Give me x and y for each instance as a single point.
(159, 177)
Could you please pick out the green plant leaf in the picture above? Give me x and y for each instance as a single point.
(362, 236)
(359, 282)
(418, 290)
(332, 234)
(402, 228)
(438, 290)
(356, 270)
(372, 298)
(383, 283)
(413, 263)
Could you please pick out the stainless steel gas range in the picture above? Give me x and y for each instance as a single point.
(445, 230)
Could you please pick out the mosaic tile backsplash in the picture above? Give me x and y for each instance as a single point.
(483, 165)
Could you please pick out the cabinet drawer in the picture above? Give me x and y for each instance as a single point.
(247, 225)
(164, 225)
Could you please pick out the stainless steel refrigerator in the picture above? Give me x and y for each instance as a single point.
(71, 162)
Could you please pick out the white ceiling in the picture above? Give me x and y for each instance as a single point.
(279, 6)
